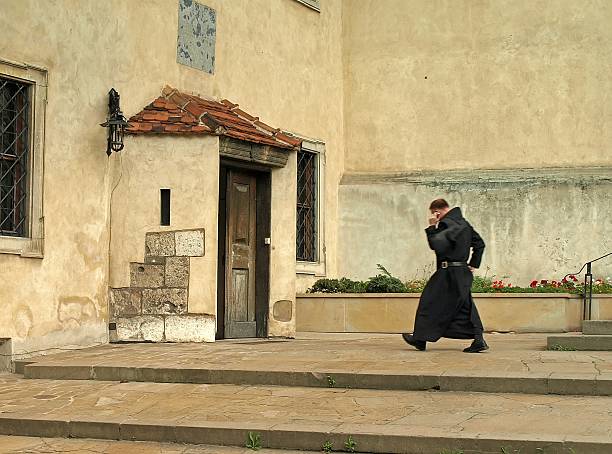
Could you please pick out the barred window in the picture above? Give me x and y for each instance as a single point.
(306, 237)
(14, 156)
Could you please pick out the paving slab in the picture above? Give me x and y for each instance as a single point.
(514, 364)
(35, 445)
(380, 421)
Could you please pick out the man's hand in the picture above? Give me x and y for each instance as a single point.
(433, 221)
(471, 268)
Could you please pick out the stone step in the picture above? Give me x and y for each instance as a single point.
(306, 418)
(588, 342)
(12, 444)
(588, 384)
(591, 327)
(514, 364)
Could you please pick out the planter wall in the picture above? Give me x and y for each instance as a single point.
(394, 312)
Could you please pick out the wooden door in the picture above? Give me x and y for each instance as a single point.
(240, 255)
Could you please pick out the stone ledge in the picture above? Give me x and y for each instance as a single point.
(590, 342)
(590, 327)
(164, 328)
(526, 176)
(395, 312)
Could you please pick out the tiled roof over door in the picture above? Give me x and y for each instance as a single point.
(175, 112)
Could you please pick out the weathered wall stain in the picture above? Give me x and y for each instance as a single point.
(22, 320)
(74, 311)
(537, 225)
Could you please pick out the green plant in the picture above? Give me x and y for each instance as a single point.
(328, 446)
(561, 348)
(350, 445)
(384, 282)
(343, 285)
(254, 441)
(331, 381)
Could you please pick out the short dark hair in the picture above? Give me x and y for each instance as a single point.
(438, 204)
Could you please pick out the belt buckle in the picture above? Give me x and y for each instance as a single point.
(444, 264)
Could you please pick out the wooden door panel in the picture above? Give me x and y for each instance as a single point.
(240, 263)
(239, 310)
(241, 206)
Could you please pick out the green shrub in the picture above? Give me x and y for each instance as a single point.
(343, 285)
(384, 282)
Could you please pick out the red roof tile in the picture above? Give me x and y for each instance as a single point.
(179, 113)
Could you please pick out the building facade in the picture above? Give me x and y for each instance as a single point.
(503, 109)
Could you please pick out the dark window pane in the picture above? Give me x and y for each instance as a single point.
(14, 150)
(165, 206)
(306, 239)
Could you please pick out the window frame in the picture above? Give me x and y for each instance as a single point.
(15, 161)
(317, 267)
(31, 245)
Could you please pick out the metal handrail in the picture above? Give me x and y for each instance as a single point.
(588, 286)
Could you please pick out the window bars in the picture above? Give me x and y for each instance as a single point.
(306, 206)
(14, 150)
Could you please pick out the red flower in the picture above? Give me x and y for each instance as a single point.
(533, 284)
(543, 282)
(573, 278)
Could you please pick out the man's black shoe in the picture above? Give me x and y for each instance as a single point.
(479, 345)
(419, 345)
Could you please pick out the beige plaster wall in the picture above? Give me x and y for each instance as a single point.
(189, 167)
(282, 253)
(463, 84)
(278, 59)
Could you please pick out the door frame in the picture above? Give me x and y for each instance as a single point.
(263, 209)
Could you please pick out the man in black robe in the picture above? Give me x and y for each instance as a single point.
(446, 307)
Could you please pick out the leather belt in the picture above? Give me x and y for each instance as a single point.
(447, 264)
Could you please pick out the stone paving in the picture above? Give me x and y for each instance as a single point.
(216, 394)
(36, 445)
(515, 363)
(303, 418)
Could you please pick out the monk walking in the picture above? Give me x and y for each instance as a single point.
(446, 307)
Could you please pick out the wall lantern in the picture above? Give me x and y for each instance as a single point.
(116, 123)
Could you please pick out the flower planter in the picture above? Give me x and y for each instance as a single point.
(394, 312)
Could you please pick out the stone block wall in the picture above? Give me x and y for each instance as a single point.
(155, 307)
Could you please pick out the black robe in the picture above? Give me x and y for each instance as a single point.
(446, 307)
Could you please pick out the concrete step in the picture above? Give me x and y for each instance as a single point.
(588, 384)
(12, 444)
(306, 418)
(591, 327)
(588, 342)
